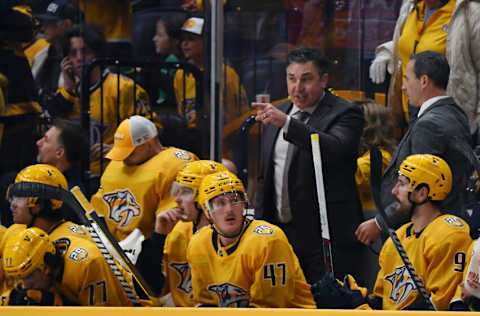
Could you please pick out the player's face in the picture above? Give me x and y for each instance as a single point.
(186, 203)
(400, 195)
(80, 54)
(192, 47)
(20, 210)
(411, 85)
(161, 39)
(36, 280)
(50, 147)
(139, 155)
(305, 85)
(227, 213)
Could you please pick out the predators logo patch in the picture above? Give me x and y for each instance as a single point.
(78, 254)
(122, 207)
(230, 295)
(263, 230)
(402, 285)
(453, 221)
(183, 271)
(183, 155)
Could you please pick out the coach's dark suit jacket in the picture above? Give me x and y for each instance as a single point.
(340, 126)
(441, 130)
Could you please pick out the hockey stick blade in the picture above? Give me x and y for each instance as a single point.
(375, 187)
(322, 206)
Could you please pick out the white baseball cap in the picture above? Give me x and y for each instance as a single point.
(131, 133)
(194, 26)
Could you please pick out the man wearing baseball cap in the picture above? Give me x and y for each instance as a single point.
(234, 97)
(56, 21)
(135, 186)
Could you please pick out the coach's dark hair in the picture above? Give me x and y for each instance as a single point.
(306, 54)
(434, 65)
(74, 140)
(92, 36)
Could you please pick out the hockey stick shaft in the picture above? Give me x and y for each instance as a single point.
(29, 189)
(99, 226)
(375, 179)
(322, 206)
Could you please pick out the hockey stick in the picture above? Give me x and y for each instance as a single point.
(30, 189)
(375, 179)
(97, 224)
(322, 206)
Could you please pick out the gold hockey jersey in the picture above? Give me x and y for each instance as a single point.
(177, 270)
(438, 254)
(259, 269)
(131, 196)
(234, 96)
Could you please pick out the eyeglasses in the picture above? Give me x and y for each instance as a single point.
(220, 202)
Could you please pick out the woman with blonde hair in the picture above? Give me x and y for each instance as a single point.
(378, 132)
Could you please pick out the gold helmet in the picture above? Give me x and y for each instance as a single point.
(25, 252)
(44, 174)
(217, 184)
(430, 170)
(192, 174)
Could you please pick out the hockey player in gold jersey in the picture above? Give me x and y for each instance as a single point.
(173, 230)
(435, 243)
(46, 214)
(237, 262)
(39, 212)
(135, 187)
(74, 273)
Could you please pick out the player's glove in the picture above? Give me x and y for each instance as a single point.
(330, 293)
(354, 294)
(380, 65)
(34, 297)
(327, 292)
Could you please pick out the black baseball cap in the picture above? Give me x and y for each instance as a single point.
(58, 10)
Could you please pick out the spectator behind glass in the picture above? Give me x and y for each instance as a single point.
(167, 47)
(378, 132)
(111, 96)
(422, 26)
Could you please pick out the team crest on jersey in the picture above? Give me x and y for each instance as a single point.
(183, 270)
(230, 295)
(453, 221)
(263, 230)
(122, 207)
(77, 230)
(402, 284)
(78, 254)
(183, 155)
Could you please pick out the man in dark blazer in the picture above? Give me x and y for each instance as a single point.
(295, 207)
(441, 129)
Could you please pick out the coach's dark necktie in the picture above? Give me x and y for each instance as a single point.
(285, 213)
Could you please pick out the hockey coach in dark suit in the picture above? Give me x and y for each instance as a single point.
(286, 193)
